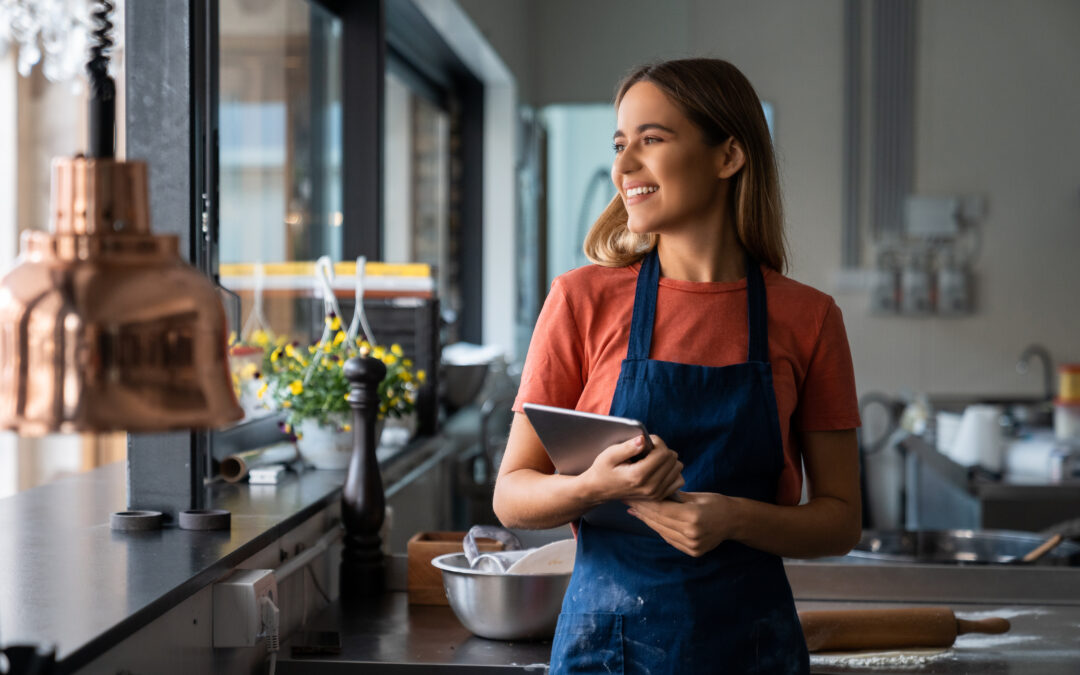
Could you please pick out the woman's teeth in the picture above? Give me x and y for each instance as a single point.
(634, 192)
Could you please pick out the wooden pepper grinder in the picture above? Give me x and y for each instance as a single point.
(363, 504)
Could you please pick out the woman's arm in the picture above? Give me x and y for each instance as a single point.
(830, 523)
(530, 495)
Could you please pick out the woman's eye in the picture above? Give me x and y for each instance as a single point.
(650, 139)
(617, 147)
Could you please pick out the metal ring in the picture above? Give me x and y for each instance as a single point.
(136, 521)
(205, 519)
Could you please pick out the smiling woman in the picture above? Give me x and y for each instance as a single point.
(687, 323)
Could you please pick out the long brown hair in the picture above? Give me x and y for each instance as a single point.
(720, 101)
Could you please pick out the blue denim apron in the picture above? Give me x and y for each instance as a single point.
(635, 603)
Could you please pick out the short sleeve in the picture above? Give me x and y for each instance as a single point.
(554, 372)
(828, 399)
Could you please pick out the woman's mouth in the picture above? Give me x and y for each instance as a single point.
(638, 194)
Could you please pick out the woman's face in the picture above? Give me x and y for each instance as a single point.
(669, 179)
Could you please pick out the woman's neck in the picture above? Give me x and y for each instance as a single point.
(702, 256)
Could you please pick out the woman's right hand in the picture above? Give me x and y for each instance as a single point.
(655, 476)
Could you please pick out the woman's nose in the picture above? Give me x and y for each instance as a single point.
(626, 161)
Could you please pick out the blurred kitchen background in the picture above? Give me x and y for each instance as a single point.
(927, 152)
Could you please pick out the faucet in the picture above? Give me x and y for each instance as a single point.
(1041, 352)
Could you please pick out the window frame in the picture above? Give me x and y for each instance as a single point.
(166, 471)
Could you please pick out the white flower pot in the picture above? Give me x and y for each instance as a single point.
(323, 446)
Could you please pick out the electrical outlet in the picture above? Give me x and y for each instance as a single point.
(237, 610)
(932, 217)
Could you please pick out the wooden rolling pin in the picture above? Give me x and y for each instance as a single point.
(854, 629)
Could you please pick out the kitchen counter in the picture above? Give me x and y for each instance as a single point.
(387, 635)
(67, 580)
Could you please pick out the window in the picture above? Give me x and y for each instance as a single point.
(280, 165)
(417, 214)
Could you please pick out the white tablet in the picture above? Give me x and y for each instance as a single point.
(573, 439)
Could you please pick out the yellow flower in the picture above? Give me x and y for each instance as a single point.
(249, 370)
(335, 323)
(260, 338)
(312, 349)
(289, 351)
(389, 359)
(379, 352)
(395, 349)
(281, 340)
(346, 397)
(232, 338)
(409, 397)
(347, 427)
(421, 376)
(286, 404)
(339, 338)
(296, 387)
(275, 355)
(382, 407)
(263, 388)
(394, 402)
(407, 363)
(288, 428)
(406, 376)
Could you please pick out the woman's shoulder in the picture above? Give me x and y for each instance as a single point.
(795, 299)
(592, 280)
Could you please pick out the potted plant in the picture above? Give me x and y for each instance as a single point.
(247, 361)
(309, 384)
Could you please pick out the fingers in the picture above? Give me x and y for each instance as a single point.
(652, 475)
(655, 476)
(622, 452)
(669, 534)
(672, 481)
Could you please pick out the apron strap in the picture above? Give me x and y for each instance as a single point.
(641, 326)
(757, 308)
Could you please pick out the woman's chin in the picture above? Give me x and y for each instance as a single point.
(639, 227)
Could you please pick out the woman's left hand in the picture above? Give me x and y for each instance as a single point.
(695, 525)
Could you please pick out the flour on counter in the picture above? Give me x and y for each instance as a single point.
(980, 641)
(1003, 613)
(899, 658)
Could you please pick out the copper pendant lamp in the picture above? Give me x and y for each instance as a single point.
(103, 327)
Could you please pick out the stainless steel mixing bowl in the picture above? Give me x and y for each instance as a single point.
(502, 606)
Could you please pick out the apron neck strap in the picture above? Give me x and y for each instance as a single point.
(641, 326)
(757, 312)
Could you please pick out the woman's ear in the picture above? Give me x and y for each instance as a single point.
(730, 159)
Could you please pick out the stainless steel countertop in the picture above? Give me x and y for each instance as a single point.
(389, 636)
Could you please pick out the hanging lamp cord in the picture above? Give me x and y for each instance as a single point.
(102, 117)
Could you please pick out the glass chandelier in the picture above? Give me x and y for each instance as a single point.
(55, 33)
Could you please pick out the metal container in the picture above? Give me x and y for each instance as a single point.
(960, 547)
(502, 606)
(462, 383)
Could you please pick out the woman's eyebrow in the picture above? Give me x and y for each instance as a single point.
(643, 128)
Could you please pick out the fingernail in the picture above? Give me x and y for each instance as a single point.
(639, 441)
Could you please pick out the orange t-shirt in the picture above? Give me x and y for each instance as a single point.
(583, 331)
